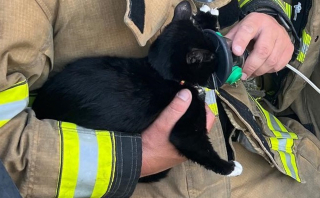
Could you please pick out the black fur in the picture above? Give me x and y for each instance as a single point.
(128, 94)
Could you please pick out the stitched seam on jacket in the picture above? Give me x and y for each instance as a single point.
(33, 159)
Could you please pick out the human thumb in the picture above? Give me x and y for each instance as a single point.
(175, 110)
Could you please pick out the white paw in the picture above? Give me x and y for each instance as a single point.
(214, 12)
(205, 9)
(237, 169)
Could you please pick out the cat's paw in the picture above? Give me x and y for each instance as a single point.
(213, 11)
(237, 169)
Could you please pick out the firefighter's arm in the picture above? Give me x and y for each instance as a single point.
(48, 158)
(266, 23)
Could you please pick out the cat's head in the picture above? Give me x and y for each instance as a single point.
(183, 51)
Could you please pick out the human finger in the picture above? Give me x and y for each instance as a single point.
(262, 49)
(241, 35)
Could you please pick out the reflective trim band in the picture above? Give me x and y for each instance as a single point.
(243, 2)
(11, 109)
(70, 160)
(87, 161)
(281, 4)
(287, 8)
(306, 39)
(18, 91)
(283, 142)
(211, 100)
(284, 148)
(106, 163)
(13, 101)
(3, 122)
(276, 126)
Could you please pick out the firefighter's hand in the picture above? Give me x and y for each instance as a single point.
(158, 154)
(272, 48)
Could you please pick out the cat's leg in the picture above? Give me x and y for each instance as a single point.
(190, 138)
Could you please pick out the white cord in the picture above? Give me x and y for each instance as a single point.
(304, 78)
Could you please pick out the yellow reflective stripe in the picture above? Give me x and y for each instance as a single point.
(18, 91)
(243, 2)
(275, 146)
(280, 3)
(283, 158)
(306, 39)
(211, 100)
(288, 9)
(70, 160)
(283, 142)
(12, 101)
(294, 165)
(87, 161)
(3, 122)
(105, 168)
(275, 125)
(283, 128)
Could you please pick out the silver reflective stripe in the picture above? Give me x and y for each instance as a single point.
(210, 97)
(282, 144)
(9, 110)
(282, 147)
(88, 162)
(277, 127)
(304, 48)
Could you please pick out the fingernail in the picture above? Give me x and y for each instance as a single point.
(238, 49)
(184, 95)
(244, 76)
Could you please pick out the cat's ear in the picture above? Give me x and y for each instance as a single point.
(199, 56)
(182, 11)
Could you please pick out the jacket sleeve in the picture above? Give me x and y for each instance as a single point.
(48, 158)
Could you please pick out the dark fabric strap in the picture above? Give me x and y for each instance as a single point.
(247, 115)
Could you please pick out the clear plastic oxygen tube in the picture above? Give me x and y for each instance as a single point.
(304, 77)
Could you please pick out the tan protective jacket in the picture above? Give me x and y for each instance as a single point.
(48, 158)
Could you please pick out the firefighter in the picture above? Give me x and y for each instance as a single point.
(272, 129)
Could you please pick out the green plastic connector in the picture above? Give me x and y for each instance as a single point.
(219, 34)
(235, 75)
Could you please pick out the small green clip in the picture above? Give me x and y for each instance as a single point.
(235, 75)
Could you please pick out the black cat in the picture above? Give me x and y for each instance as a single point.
(128, 94)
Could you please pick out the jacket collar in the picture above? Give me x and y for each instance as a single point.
(146, 17)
